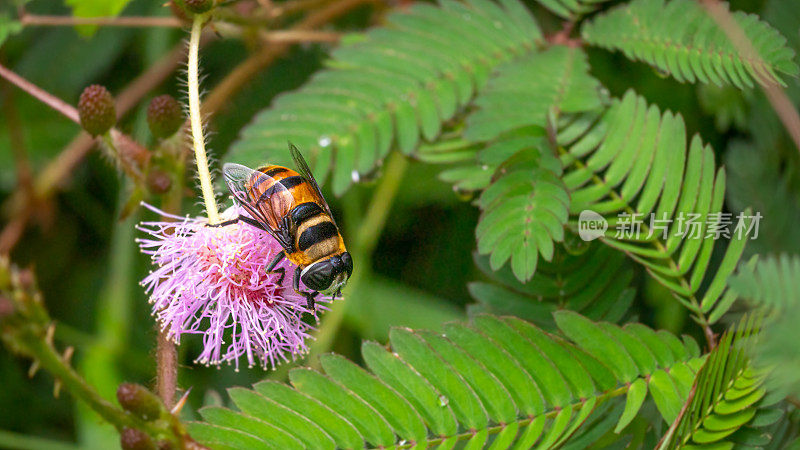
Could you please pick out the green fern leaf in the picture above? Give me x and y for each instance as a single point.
(526, 207)
(772, 284)
(596, 282)
(633, 166)
(527, 91)
(725, 396)
(391, 88)
(496, 382)
(571, 9)
(679, 37)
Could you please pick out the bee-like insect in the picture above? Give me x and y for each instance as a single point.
(289, 206)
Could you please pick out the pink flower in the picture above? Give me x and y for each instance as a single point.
(212, 281)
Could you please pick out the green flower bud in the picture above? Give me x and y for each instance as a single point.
(164, 116)
(96, 110)
(140, 401)
(198, 6)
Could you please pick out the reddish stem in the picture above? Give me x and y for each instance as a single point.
(40, 94)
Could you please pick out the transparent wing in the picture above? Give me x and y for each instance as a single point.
(261, 196)
(305, 172)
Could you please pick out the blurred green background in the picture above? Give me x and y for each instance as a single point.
(88, 266)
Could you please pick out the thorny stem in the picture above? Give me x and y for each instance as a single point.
(27, 329)
(198, 139)
(58, 170)
(40, 94)
(51, 361)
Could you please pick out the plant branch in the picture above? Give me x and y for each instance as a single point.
(69, 21)
(40, 94)
(57, 171)
(370, 229)
(167, 368)
(21, 161)
(775, 94)
(27, 329)
(198, 139)
(246, 70)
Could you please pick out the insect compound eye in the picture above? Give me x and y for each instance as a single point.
(348, 263)
(318, 276)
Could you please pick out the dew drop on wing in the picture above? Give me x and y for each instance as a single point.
(443, 401)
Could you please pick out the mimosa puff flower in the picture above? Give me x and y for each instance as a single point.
(212, 281)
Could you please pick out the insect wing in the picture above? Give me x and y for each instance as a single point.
(305, 172)
(261, 195)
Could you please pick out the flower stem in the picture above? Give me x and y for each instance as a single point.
(167, 366)
(198, 139)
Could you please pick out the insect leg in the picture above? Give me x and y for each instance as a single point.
(224, 224)
(310, 304)
(309, 295)
(271, 266)
(253, 222)
(244, 219)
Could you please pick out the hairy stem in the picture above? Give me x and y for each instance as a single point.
(198, 139)
(55, 173)
(40, 94)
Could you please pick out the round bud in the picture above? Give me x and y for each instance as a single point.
(133, 439)
(158, 181)
(198, 6)
(139, 400)
(164, 116)
(96, 110)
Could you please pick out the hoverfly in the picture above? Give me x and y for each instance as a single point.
(290, 207)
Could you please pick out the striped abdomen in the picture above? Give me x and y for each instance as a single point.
(284, 192)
